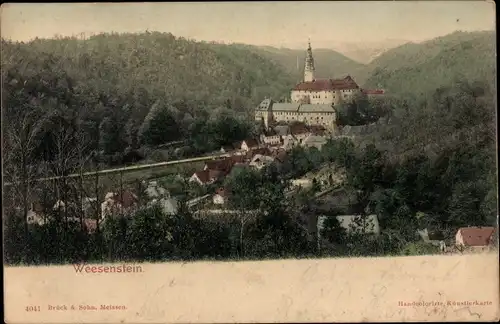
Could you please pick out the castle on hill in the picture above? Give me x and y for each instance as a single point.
(312, 101)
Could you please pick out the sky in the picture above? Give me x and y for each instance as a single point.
(287, 24)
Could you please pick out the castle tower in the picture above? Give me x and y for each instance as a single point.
(309, 65)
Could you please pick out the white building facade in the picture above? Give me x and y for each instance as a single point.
(312, 101)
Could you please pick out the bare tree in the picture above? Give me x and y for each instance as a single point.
(20, 143)
(65, 160)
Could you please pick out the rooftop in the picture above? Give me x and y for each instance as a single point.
(327, 85)
(477, 236)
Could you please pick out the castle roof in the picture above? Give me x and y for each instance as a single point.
(281, 106)
(310, 108)
(327, 85)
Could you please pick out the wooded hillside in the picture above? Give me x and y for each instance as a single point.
(420, 68)
(117, 84)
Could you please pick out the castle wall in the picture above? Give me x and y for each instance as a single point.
(326, 119)
(315, 97)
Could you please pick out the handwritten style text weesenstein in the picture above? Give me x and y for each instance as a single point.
(123, 268)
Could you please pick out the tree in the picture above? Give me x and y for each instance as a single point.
(159, 126)
(150, 235)
(333, 232)
(20, 142)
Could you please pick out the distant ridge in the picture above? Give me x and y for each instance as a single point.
(421, 67)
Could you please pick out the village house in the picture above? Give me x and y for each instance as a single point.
(325, 176)
(258, 151)
(432, 237)
(168, 205)
(225, 165)
(59, 205)
(154, 190)
(123, 203)
(159, 195)
(271, 139)
(217, 169)
(36, 214)
(88, 207)
(475, 238)
(229, 148)
(260, 161)
(299, 131)
(249, 144)
(220, 197)
(206, 177)
(289, 142)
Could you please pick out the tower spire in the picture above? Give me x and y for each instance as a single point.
(309, 64)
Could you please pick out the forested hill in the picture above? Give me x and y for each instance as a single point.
(159, 66)
(128, 90)
(420, 68)
(328, 63)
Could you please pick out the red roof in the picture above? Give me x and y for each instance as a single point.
(477, 236)
(208, 175)
(219, 165)
(225, 165)
(327, 85)
(251, 142)
(237, 159)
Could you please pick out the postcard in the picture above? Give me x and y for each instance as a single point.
(250, 162)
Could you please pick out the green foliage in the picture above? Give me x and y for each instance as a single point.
(340, 151)
(133, 89)
(431, 164)
(159, 126)
(332, 231)
(419, 248)
(360, 111)
(420, 68)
